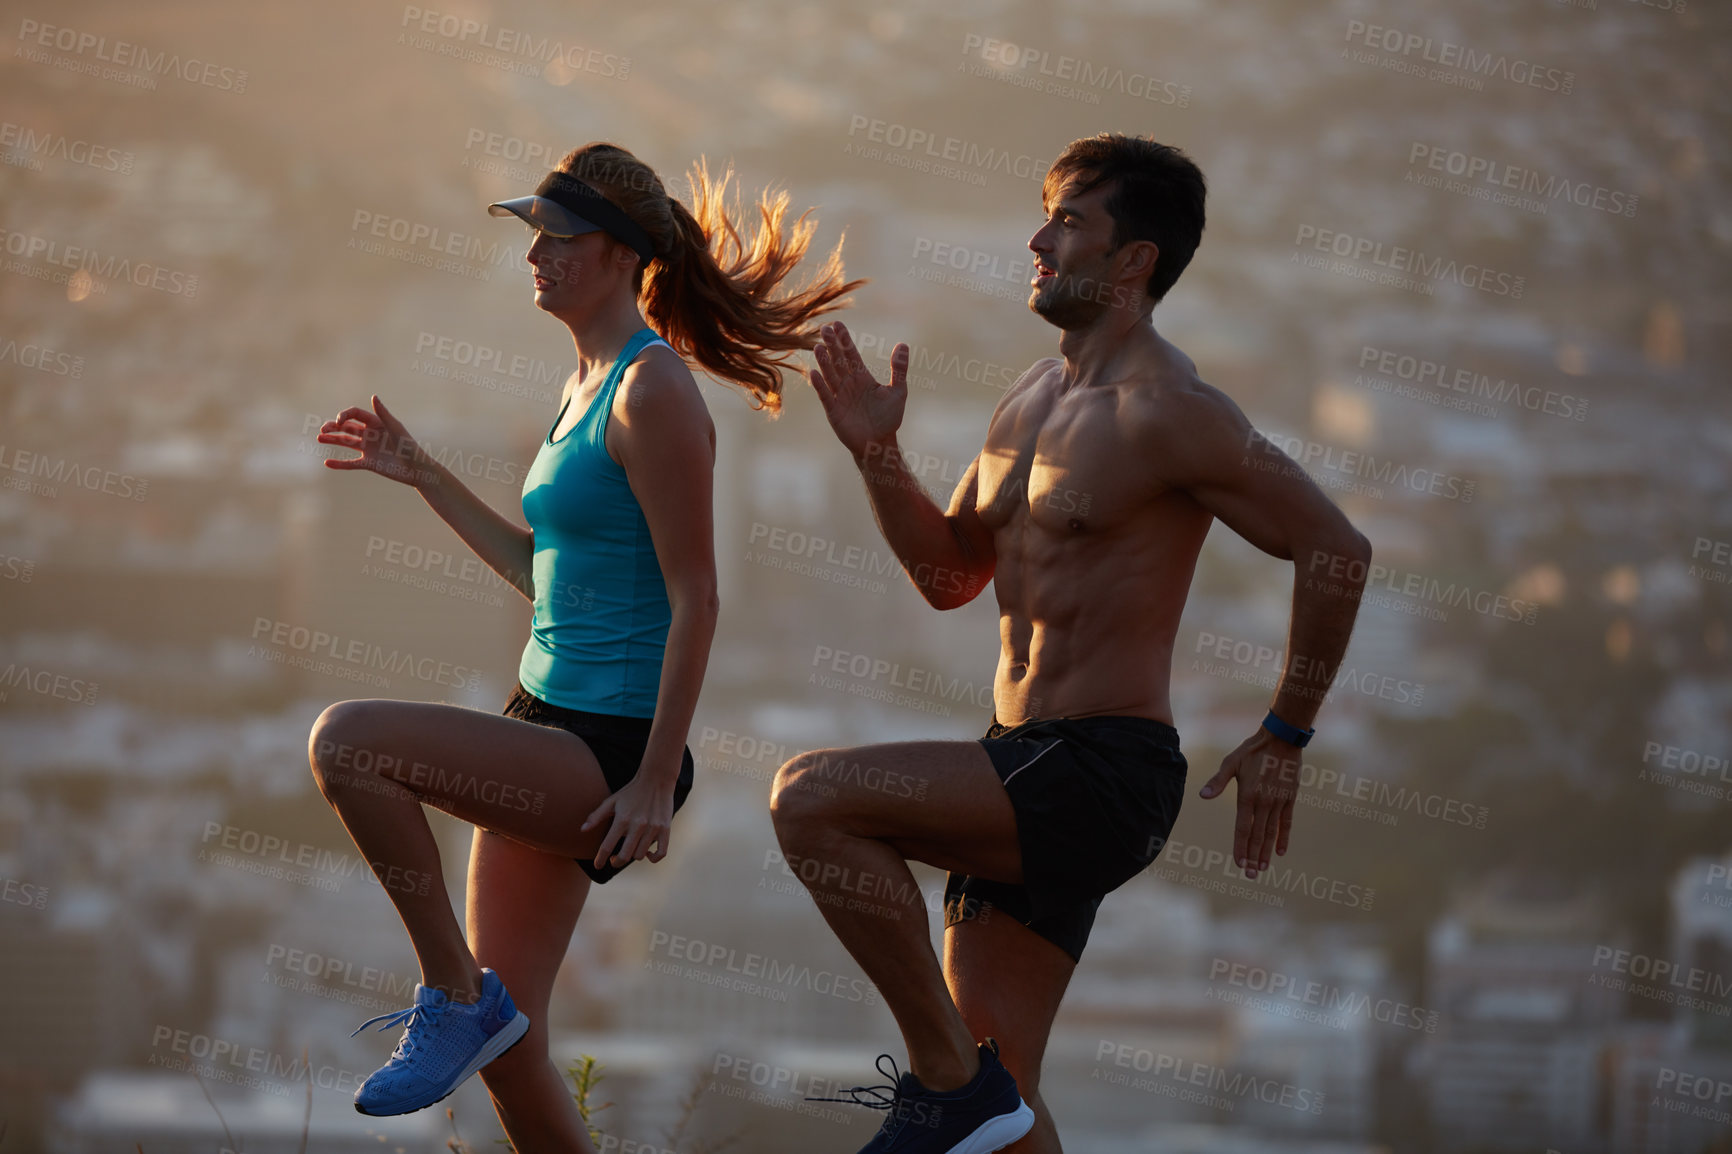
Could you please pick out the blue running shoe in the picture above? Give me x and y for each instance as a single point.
(985, 1115)
(445, 1042)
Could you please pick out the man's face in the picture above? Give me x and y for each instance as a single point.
(1077, 272)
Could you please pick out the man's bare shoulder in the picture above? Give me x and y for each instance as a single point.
(1032, 377)
(1172, 403)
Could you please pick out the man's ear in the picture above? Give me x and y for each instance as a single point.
(1141, 258)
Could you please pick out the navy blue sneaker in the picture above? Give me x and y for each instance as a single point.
(985, 1115)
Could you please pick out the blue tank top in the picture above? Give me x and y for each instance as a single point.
(601, 608)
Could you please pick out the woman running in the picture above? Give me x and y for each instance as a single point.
(588, 764)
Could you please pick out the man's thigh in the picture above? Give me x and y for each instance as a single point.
(938, 802)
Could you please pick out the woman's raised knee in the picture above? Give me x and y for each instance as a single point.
(337, 747)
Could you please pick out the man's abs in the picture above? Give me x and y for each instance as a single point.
(1087, 620)
(1093, 551)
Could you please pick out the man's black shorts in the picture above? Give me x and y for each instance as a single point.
(617, 742)
(1095, 798)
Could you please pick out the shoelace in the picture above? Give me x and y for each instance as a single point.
(417, 1017)
(879, 1100)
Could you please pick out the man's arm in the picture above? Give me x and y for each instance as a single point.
(1211, 452)
(947, 554)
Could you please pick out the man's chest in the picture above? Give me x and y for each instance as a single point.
(1069, 463)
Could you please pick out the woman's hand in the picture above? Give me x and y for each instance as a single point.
(642, 813)
(385, 446)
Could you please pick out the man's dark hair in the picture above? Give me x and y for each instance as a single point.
(1157, 196)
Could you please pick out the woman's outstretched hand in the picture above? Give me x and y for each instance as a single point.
(385, 446)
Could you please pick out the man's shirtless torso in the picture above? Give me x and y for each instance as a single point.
(1095, 551)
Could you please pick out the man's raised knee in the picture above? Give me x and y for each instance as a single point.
(792, 797)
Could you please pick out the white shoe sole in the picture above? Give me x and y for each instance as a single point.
(508, 1036)
(998, 1133)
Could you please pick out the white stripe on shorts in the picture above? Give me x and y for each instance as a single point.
(1030, 761)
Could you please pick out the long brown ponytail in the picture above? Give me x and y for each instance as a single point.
(707, 292)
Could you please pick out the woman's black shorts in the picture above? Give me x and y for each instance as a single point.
(617, 742)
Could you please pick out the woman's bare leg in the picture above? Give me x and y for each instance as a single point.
(377, 761)
(522, 906)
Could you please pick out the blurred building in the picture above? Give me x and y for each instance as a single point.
(1525, 1028)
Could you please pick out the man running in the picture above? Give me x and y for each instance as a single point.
(1088, 504)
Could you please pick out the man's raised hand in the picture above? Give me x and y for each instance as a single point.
(861, 411)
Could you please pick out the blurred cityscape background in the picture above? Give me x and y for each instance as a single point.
(1467, 264)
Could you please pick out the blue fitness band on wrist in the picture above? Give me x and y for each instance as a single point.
(1287, 733)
